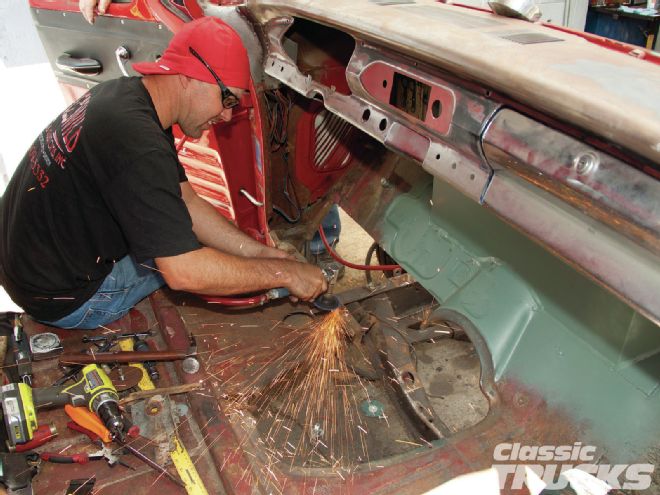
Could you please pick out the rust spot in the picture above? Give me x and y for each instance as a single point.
(521, 400)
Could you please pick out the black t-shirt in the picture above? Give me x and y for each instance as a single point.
(100, 182)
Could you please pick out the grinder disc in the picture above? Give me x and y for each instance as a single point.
(327, 302)
(125, 377)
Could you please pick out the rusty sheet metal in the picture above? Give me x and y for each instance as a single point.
(232, 343)
(236, 342)
(602, 186)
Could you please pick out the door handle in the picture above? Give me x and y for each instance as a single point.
(122, 54)
(85, 66)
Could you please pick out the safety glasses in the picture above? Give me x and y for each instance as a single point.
(229, 99)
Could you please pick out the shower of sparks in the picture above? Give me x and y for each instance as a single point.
(301, 406)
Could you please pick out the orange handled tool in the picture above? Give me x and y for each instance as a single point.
(87, 419)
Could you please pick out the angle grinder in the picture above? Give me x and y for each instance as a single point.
(325, 302)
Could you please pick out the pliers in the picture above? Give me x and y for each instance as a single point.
(104, 452)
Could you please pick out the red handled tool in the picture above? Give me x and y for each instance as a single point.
(82, 458)
(96, 436)
(40, 436)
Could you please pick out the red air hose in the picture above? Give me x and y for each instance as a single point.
(237, 302)
(353, 265)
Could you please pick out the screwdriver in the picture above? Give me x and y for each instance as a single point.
(152, 464)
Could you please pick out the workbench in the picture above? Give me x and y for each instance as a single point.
(633, 25)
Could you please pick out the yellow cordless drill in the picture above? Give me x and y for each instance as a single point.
(94, 390)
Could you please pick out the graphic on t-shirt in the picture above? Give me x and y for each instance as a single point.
(58, 140)
(72, 121)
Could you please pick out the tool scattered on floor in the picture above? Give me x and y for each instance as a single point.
(186, 469)
(127, 345)
(144, 394)
(93, 390)
(17, 471)
(123, 357)
(87, 423)
(18, 412)
(21, 348)
(40, 436)
(179, 455)
(81, 486)
(45, 345)
(113, 337)
(103, 344)
(88, 420)
(91, 422)
(125, 377)
(81, 458)
(91, 401)
(152, 464)
(140, 345)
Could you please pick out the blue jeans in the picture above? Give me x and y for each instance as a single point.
(331, 224)
(126, 285)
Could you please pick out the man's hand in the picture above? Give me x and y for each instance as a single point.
(306, 281)
(271, 252)
(87, 8)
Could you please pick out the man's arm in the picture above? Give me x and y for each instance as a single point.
(232, 262)
(209, 271)
(214, 230)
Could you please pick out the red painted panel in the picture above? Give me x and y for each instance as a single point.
(137, 9)
(243, 163)
(318, 178)
(377, 79)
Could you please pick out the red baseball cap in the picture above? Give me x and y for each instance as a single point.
(216, 42)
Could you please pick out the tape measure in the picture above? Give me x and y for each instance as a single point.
(186, 469)
(180, 457)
